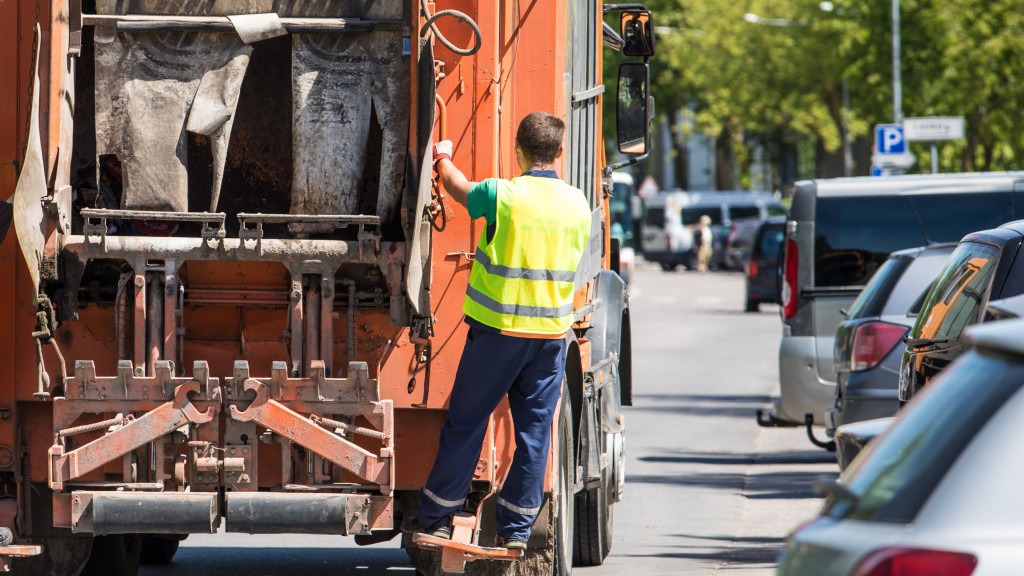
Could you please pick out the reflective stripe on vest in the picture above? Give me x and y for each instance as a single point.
(523, 277)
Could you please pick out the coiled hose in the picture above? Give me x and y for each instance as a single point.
(462, 16)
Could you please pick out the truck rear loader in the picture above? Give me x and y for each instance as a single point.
(232, 297)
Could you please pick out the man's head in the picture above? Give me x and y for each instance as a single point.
(539, 140)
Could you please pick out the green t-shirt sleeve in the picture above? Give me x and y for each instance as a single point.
(483, 200)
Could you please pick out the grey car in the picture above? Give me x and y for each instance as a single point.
(938, 492)
(869, 343)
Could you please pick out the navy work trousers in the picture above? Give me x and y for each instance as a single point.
(530, 372)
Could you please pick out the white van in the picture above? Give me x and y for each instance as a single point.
(670, 217)
(664, 238)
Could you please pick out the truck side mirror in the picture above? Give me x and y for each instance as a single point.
(637, 31)
(633, 110)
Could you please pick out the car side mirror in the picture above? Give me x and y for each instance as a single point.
(637, 31)
(633, 112)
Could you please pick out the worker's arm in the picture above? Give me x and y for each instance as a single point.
(454, 181)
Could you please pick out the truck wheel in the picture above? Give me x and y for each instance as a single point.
(114, 555)
(566, 510)
(594, 524)
(158, 550)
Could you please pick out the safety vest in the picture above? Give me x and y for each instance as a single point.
(523, 278)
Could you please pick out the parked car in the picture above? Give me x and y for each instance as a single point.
(739, 242)
(985, 265)
(938, 492)
(869, 343)
(670, 218)
(762, 267)
(840, 231)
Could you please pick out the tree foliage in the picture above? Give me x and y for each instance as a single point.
(780, 78)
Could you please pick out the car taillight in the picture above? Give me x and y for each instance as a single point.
(872, 341)
(751, 268)
(789, 279)
(916, 562)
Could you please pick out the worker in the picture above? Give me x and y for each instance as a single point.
(5, 219)
(519, 308)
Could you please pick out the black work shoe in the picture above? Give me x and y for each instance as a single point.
(443, 531)
(512, 544)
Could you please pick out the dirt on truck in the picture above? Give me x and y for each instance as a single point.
(232, 295)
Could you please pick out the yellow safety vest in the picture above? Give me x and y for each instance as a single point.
(523, 278)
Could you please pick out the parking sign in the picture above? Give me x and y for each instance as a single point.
(889, 139)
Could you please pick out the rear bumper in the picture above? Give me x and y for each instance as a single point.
(851, 440)
(107, 512)
(800, 389)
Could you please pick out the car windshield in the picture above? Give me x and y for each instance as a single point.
(872, 298)
(853, 235)
(896, 474)
(955, 300)
(692, 215)
(655, 217)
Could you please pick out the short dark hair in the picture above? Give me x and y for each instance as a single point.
(540, 137)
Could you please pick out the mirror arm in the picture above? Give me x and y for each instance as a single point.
(628, 162)
(613, 7)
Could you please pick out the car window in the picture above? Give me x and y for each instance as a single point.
(872, 298)
(777, 210)
(854, 235)
(692, 215)
(738, 212)
(772, 236)
(897, 473)
(908, 294)
(655, 217)
(955, 300)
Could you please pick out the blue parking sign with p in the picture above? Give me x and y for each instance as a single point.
(889, 139)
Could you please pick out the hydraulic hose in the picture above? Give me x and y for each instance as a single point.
(462, 16)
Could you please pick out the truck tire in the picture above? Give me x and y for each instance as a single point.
(114, 555)
(566, 511)
(158, 550)
(594, 524)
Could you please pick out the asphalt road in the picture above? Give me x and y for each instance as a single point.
(707, 489)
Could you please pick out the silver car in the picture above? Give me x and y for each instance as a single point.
(939, 491)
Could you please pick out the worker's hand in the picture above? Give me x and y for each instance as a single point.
(442, 149)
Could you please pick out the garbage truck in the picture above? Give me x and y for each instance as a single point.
(231, 296)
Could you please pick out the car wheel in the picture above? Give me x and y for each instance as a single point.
(668, 266)
(753, 305)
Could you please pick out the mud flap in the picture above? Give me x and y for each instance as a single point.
(29, 219)
(418, 195)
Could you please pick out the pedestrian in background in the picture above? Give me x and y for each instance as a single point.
(702, 238)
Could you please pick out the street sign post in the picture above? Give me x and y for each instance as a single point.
(934, 129)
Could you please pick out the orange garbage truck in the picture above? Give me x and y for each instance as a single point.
(231, 297)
